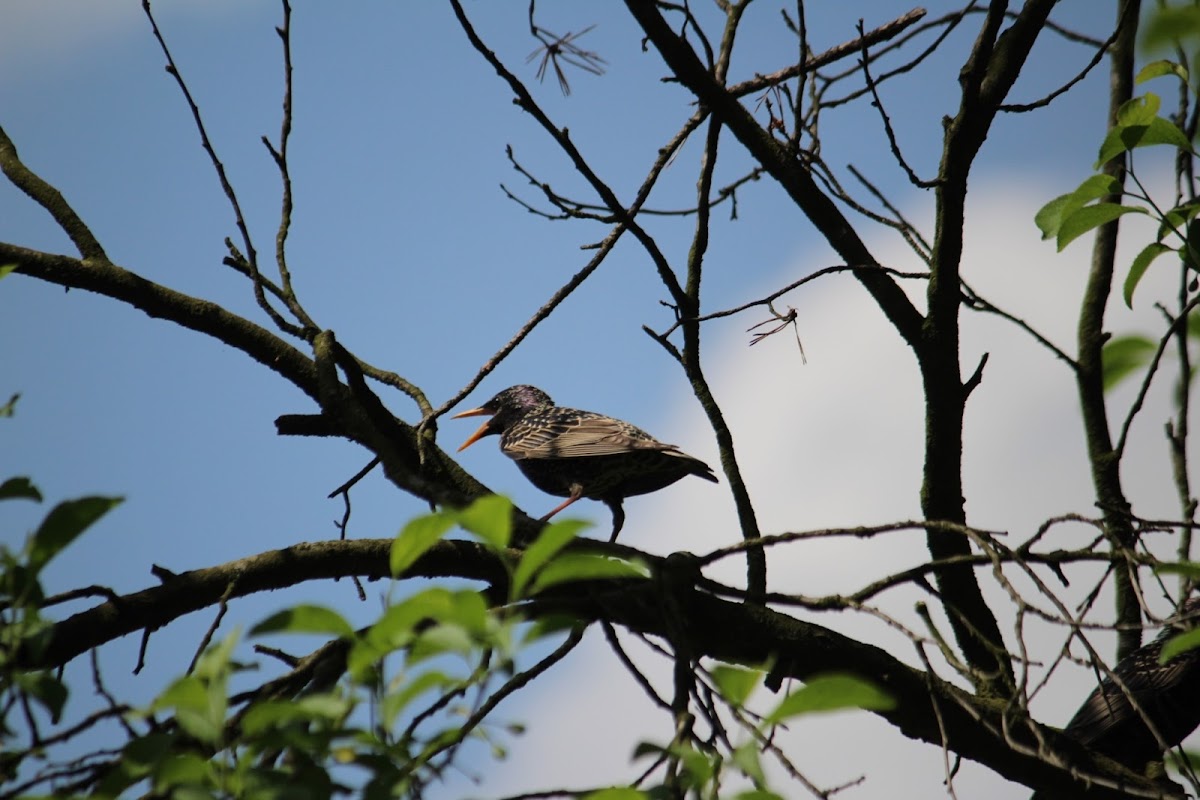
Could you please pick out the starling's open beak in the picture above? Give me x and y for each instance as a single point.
(484, 429)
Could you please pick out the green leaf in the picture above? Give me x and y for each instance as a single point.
(1168, 27)
(1190, 252)
(1141, 263)
(180, 769)
(1124, 138)
(445, 638)
(584, 567)
(10, 408)
(305, 619)
(394, 702)
(489, 518)
(1049, 218)
(1139, 110)
(832, 692)
(19, 488)
(1176, 645)
(1175, 220)
(188, 697)
(147, 751)
(1164, 131)
(1123, 356)
(20, 588)
(138, 758)
(553, 538)
(395, 629)
(1089, 217)
(745, 758)
(617, 793)
(6, 269)
(643, 749)
(45, 689)
(1156, 69)
(65, 522)
(736, 683)
(193, 792)
(698, 768)
(417, 537)
(468, 609)
(214, 664)
(549, 625)
(268, 715)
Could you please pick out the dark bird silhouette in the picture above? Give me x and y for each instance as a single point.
(571, 453)
(1167, 694)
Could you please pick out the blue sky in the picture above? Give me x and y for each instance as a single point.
(404, 244)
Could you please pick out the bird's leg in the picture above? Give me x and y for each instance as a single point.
(618, 513)
(576, 493)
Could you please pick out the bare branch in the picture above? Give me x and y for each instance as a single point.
(50, 199)
(226, 185)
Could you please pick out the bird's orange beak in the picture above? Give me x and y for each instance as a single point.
(484, 429)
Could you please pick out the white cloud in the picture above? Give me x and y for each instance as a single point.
(41, 36)
(839, 442)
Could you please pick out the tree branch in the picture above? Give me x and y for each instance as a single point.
(1089, 375)
(779, 163)
(734, 632)
(50, 199)
(990, 71)
(275, 569)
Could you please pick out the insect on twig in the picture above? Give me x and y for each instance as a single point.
(556, 49)
(775, 123)
(784, 320)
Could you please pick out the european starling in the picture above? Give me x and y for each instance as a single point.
(1168, 694)
(571, 453)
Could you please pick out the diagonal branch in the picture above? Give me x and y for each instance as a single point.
(161, 302)
(436, 478)
(526, 102)
(886, 31)
(50, 199)
(790, 173)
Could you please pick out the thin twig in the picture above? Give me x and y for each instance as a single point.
(766, 301)
(222, 608)
(1066, 87)
(1163, 342)
(864, 63)
(226, 186)
(884, 32)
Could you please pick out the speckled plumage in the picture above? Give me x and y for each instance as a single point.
(571, 453)
(1169, 694)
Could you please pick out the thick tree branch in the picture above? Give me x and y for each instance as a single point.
(161, 302)
(990, 71)
(275, 569)
(926, 709)
(1089, 377)
(436, 478)
(729, 631)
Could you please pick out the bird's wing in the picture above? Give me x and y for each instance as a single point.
(1146, 679)
(575, 435)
